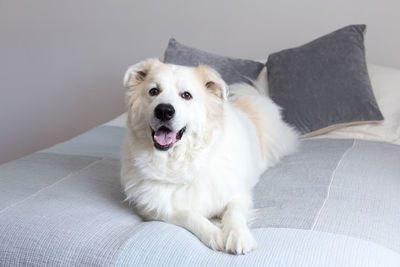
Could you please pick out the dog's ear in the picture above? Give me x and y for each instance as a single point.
(213, 81)
(138, 72)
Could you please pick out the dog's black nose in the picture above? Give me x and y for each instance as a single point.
(164, 112)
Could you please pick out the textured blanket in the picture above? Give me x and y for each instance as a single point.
(334, 203)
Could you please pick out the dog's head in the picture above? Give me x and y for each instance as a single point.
(168, 103)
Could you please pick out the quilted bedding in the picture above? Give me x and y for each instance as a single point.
(334, 203)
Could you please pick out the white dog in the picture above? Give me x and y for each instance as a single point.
(192, 154)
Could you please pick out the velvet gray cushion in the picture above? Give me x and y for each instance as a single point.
(232, 70)
(324, 84)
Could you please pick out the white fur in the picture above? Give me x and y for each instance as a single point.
(211, 171)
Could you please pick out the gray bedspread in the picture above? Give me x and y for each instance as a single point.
(334, 203)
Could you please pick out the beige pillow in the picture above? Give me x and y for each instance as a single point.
(386, 87)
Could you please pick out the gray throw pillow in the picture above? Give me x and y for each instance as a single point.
(324, 84)
(232, 70)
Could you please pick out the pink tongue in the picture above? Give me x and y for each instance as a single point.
(165, 138)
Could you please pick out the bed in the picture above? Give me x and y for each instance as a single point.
(333, 203)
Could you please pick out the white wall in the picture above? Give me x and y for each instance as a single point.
(61, 62)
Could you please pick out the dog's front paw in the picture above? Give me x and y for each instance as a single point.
(239, 241)
(214, 239)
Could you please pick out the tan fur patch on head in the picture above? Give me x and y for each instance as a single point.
(138, 72)
(134, 99)
(214, 89)
(246, 106)
(212, 80)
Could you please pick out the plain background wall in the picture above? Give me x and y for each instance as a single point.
(62, 62)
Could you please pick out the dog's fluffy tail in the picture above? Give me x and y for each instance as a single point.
(277, 138)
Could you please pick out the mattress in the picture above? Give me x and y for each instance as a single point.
(333, 203)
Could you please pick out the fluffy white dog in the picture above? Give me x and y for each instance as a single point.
(193, 154)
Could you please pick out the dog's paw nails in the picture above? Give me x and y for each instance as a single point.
(239, 241)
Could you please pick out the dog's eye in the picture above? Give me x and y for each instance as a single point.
(186, 95)
(154, 91)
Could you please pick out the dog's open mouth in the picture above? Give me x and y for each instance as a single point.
(164, 138)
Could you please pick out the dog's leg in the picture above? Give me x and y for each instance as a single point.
(200, 226)
(237, 236)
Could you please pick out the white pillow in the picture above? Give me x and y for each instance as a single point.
(386, 86)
